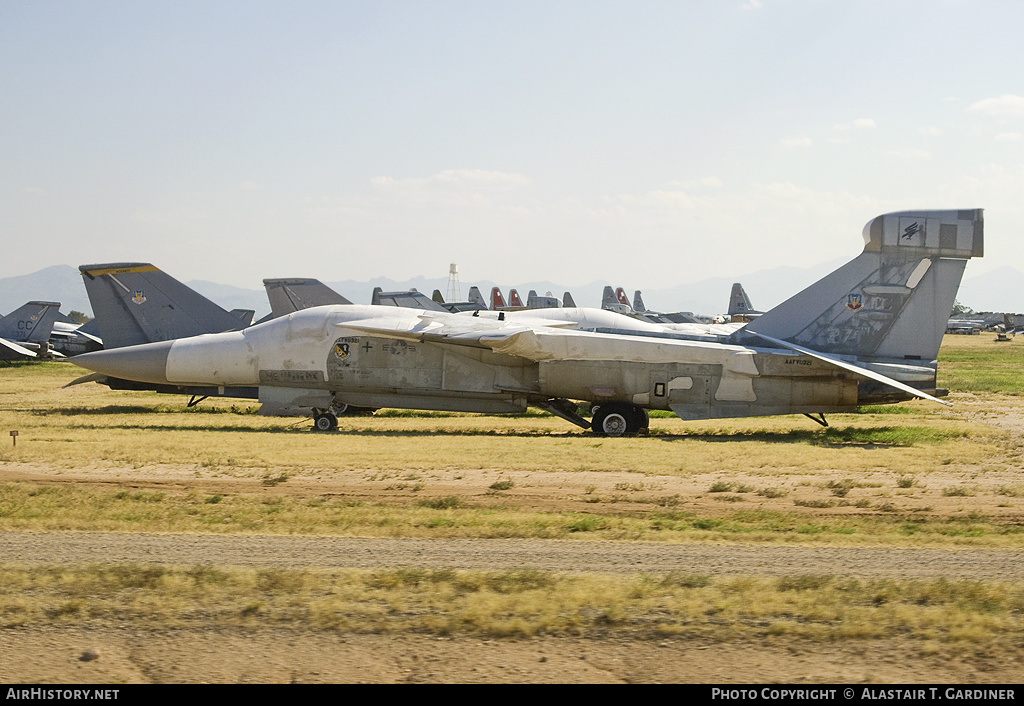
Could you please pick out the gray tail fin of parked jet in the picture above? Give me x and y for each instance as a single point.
(476, 297)
(138, 303)
(568, 301)
(739, 302)
(30, 323)
(289, 295)
(892, 302)
(615, 300)
(246, 316)
(638, 302)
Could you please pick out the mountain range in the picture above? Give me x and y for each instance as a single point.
(997, 290)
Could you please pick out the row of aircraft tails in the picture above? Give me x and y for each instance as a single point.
(868, 333)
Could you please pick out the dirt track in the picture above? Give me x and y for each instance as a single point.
(571, 556)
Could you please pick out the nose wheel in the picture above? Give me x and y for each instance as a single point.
(325, 421)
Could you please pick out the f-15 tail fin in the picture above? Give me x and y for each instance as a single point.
(30, 323)
(497, 300)
(139, 303)
(893, 300)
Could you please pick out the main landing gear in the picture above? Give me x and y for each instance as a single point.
(619, 419)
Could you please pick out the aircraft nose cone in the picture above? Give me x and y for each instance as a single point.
(143, 363)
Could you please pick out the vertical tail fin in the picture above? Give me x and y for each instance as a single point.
(638, 302)
(246, 316)
(497, 301)
(289, 295)
(513, 298)
(30, 323)
(893, 300)
(739, 302)
(476, 297)
(615, 300)
(138, 303)
(568, 301)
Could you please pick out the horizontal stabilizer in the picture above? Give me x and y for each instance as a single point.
(91, 377)
(870, 374)
(21, 350)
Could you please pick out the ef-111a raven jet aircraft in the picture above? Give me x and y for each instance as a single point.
(867, 333)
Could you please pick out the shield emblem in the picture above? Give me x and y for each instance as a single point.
(138, 296)
(854, 301)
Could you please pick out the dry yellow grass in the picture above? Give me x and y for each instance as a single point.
(512, 603)
(782, 471)
(90, 425)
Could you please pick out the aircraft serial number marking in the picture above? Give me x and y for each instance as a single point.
(269, 376)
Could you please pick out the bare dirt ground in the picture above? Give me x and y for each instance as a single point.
(508, 554)
(133, 656)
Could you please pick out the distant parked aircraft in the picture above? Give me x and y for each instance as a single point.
(293, 294)
(136, 302)
(740, 308)
(475, 303)
(25, 332)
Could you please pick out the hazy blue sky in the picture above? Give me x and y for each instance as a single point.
(640, 141)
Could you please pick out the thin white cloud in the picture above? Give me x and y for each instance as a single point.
(907, 153)
(751, 5)
(1010, 137)
(703, 182)
(796, 142)
(1003, 105)
(858, 124)
(930, 131)
(457, 178)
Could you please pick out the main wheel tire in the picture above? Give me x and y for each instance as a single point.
(618, 419)
(325, 422)
(614, 424)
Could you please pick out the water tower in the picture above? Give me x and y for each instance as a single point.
(454, 292)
